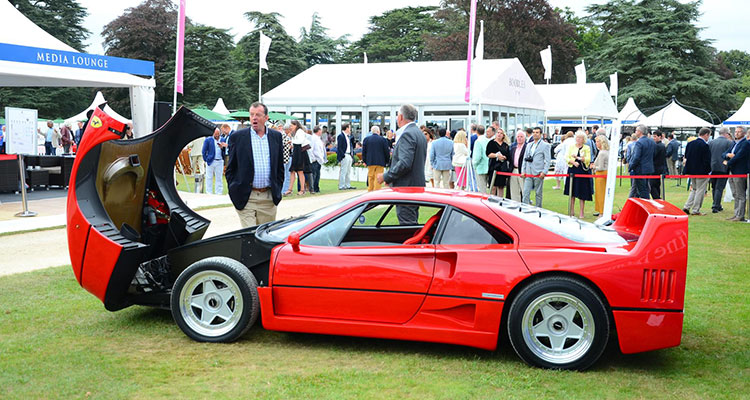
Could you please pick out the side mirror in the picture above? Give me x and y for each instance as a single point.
(293, 239)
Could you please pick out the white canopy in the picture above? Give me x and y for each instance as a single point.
(439, 83)
(220, 107)
(572, 100)
(630, 114)
(98, 99)
(674, 116)
(742, 116)
(20, 31)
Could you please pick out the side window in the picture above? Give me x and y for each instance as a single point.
(372, 215)
(332, 232)
(463, 229)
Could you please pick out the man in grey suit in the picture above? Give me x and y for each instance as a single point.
(718, 147)
(407, 161)
(536, 162)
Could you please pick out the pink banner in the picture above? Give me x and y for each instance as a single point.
(180, 48)
(469, 52)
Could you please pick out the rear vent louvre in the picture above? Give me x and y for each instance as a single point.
(658, 285)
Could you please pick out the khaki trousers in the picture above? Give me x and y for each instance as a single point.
(442, 178)
(516, 186)
(372, 177)
(600, 189)
(258, 210)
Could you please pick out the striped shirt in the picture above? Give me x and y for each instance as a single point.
(262, 159)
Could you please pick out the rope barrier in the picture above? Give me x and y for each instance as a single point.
(623, 176)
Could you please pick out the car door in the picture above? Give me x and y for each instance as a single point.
(355, 267)
(475, 259)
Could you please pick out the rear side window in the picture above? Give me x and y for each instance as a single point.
(460, 228)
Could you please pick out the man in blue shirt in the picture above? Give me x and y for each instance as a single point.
(48, 135)
(441, 158)
(212, 150)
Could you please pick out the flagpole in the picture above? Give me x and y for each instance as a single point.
(179, 44)
(260, 75)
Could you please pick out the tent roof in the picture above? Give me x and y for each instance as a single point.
(674, 116)
(19, 30)
(742, 116)
(499, 82)
(98, 99)
(630, 113)
(576, 101)
(220, 107)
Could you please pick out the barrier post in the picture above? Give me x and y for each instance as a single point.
(747, 203)
(571, 199)
(663, 188)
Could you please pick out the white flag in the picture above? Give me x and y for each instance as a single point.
(365, 57)
(265, 44)
(581, 73)
(547, 62)
(613, 84)
(479, 52)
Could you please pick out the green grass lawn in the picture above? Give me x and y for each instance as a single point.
(57, 341)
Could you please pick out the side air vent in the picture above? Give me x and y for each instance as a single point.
(658, 285)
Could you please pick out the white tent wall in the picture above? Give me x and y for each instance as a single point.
(220, 107)
(742, 116)
(576, 101)
(19, 30)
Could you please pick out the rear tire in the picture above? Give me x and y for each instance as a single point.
(215, 300)
(558, 323)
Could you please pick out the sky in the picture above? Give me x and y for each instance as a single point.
(350, 17)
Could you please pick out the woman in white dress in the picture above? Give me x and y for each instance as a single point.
(561, 164)
(427, 165)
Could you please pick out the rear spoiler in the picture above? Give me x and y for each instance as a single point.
(662, 231)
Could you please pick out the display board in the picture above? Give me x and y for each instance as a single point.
(20, 130)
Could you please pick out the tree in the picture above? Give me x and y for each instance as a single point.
(588, 35)
(512, 28)
(737, 61)
(317, 47)
(284, 59)
(62, 19)
(208, 71)
(655, 48)
(147, 32)
(396, 35)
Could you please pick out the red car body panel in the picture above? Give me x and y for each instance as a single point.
(642, 281)
(87, 246)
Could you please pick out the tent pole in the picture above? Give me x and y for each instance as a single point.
(260, 76)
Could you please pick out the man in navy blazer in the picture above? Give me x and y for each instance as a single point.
(642, 162)
(375, 153)
(255, 171)
(344, 156)
(738, 160)
(697, 162)
(212, 154)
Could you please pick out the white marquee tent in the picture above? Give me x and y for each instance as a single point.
(674, 116)
(44, 68)
(742, 116)
(502, 90)
(631, 115)
(220, 107)
(98, 99)
(572, 102)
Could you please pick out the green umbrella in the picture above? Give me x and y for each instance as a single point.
(58, 121)
(277, 116)
(2, 121)
(210, 115)
(240, 114)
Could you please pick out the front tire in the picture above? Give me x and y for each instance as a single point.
(215, 300)
(558, 323)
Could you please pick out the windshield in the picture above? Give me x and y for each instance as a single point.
(279, 230)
